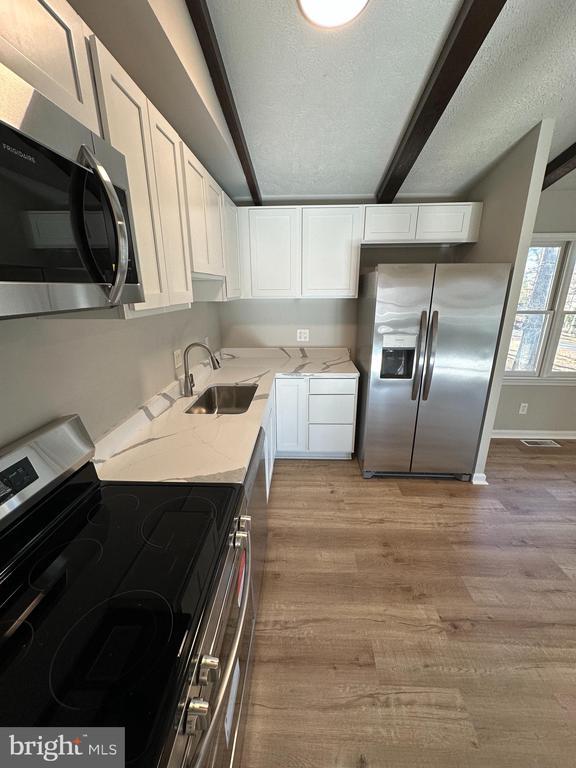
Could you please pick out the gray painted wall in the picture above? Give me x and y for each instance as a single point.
(102, 369)
(556, 211)
(510, 191)
(550, 407)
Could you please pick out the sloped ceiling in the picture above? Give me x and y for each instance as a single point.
(323, 110)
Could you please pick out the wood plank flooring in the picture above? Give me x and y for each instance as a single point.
(411, 623)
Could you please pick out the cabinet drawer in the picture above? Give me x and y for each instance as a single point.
(332, 386)
(331, 409)
(331, 438)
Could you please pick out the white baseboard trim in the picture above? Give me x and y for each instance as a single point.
(479, 478)
(534, 434)
(311, 455)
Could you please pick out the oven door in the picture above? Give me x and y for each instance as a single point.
(65, 231)
(217, 707)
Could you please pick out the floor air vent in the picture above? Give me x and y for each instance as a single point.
(541, 443)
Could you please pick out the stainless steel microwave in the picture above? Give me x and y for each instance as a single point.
(65, 232)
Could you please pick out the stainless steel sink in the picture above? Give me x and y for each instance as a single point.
(224, 398)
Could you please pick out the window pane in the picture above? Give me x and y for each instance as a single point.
(565, 359)
(526, 343)
(571, 298)
(539, 277)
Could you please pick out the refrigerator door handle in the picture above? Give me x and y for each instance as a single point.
(431, 356)
(419, 358)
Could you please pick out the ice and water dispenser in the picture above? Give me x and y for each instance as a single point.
(398, 355)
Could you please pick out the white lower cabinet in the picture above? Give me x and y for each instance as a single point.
(291, 415)
(315, 416)
(270, 440)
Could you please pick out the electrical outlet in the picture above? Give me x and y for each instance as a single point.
(523, 410)
(177, 358)
(303, 334)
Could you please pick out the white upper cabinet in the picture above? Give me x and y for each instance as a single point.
(331, 251)
(275, 249)
(390, 223)
(125, 125)
(170, 187)
(214, 226)
(231, 247)
(449, 222)
(44, 42)
(423, 223)
(194, 195)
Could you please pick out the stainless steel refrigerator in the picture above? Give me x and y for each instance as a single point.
(427, 338)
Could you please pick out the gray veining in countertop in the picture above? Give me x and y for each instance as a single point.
(172, 446)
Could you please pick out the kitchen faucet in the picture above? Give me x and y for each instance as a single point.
(188, 377)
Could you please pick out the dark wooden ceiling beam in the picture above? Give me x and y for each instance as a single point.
(200, 15)
(469, 30)
(560, 166)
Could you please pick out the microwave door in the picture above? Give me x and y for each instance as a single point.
(116, 212)
(79, 226)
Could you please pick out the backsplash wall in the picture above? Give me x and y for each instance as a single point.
(273, 323)
(102, 369)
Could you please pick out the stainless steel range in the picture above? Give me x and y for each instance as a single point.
(126, 604)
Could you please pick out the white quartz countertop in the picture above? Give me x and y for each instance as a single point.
(173, 446)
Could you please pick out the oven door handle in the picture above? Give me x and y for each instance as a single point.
(89, 159)
(209, 733)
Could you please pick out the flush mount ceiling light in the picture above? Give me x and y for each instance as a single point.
(331, 13)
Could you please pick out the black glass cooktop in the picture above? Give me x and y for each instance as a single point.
(101, 591)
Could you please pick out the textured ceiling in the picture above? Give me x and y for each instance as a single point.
(322, 110)
(525, 71)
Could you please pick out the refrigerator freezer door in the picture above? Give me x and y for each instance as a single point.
(467, 306)
(403, 295)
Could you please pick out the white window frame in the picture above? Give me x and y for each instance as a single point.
(554, 315)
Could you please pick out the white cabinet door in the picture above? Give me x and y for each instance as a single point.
(195, 203)
(331, 251)
(390, 223)
(291, 415)
(231, 247)
(270, 440)
(43, 41)
(125, 125)
(214, 226)
(275, 252)
(449, 222)
(170, 187)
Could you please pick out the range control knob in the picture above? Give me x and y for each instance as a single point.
(240, 539)
(245, 523)
(197, 716)
(209, 670)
